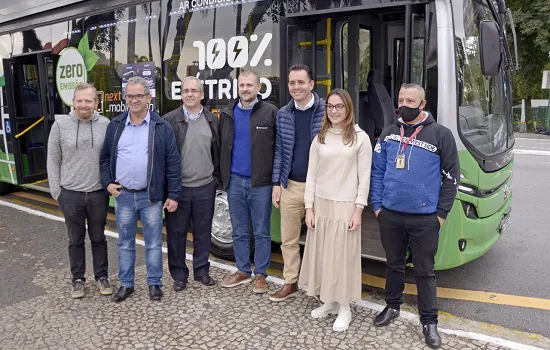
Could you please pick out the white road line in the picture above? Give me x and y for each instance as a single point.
(531, 152)
(533, 139)
(409, 316)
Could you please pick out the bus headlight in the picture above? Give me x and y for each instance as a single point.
(469, 210)
(466, 189)
(462, 244)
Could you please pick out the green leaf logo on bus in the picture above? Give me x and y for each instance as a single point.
(72, 69)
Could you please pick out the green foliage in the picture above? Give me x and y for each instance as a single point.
(531, 18)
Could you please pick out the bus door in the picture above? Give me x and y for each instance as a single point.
(309, 42)
(369, 53)
(29, 84)
(339, 49)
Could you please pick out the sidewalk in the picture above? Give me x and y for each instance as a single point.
(198, 318)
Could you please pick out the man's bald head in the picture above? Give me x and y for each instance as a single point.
(412, 96)
(419, 90)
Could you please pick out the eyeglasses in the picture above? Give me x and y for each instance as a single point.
(136, 97)
(339, 107)
(193, 91)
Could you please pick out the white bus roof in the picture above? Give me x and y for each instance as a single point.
(22, 8)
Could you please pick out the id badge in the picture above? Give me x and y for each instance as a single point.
(400, 161)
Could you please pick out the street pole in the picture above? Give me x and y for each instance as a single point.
(546, 86)
(522, 126)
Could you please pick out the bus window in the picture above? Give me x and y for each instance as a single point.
(365, 56)
(121, 44)
(216, 44)
(482, 116)
(417, 57)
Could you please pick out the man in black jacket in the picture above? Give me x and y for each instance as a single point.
(196, 132)
(414, 181)
(247, 130)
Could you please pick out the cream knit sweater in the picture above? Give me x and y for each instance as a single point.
(339, 172)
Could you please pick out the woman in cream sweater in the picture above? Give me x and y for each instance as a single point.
(337, 190)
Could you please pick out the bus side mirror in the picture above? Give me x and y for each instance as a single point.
(491, 53)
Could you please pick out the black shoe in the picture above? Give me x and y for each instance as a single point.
(431, 336)
(179, 285)
(206, 280)
(385, 317)
(122, 294)
(155, 293)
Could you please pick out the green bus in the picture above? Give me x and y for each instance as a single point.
(458, 50)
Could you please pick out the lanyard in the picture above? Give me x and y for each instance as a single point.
(411, 138)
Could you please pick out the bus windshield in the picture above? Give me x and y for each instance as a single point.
(482, 108)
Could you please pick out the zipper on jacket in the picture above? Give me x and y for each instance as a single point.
(312, 122)
(152, 165)
(111, 167)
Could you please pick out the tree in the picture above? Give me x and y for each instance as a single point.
(531, 18)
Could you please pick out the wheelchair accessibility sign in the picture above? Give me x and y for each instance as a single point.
(7, 127)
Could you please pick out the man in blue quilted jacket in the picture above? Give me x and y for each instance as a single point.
(297, 124)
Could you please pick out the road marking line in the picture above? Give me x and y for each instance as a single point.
(363, 303)
(469, 295)
(532, 139)
(410, 289)
(53, 202)
(531, 152)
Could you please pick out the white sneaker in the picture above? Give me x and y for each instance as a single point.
(325, 310)
(343, 320)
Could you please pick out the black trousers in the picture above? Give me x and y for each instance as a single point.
(421, 233)
(196, 206)
(80, 208)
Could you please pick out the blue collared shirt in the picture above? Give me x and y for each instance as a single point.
(189, 115)
(250, 106)
(132, 154)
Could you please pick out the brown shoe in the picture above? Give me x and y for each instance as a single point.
(286, 291)
(236, 279)
(260, 286)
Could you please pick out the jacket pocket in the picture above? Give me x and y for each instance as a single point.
(406, 197)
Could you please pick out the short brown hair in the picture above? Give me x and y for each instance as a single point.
(85, 86)
(250, 72)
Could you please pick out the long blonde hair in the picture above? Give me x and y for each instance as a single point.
(349, 124)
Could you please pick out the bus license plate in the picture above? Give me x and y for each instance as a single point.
(504, 223)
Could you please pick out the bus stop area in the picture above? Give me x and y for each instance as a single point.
(36, 311)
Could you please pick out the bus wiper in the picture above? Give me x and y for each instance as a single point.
(513, 27)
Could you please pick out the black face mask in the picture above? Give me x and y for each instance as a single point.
(409, 114)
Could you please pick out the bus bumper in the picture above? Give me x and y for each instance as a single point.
(465, 239)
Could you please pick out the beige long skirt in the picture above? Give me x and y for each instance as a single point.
(331, 267)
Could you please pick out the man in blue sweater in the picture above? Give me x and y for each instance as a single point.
(297, 125)
(414, 181)
(247, 136)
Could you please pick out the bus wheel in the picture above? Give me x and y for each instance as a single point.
(5, 188)
(222, 231)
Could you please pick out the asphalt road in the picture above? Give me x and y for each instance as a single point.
(519, 263)
(37, 312)
(36, 244)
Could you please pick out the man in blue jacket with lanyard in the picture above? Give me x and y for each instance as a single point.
(140, 163)
(297, 125)
(414, 181)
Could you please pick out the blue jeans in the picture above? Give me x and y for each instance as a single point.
(130, 207)
(245, 202)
